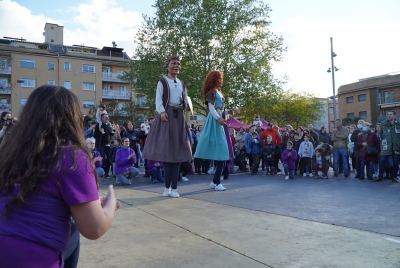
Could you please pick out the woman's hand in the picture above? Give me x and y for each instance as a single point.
(164, 117)
(221, 121)
(110, 197)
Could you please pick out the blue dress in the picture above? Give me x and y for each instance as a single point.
(212, 144)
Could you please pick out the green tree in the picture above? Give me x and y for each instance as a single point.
(291, 108)
(232, 36)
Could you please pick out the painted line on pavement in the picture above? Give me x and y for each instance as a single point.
(393, 240)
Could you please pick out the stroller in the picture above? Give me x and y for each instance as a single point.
(240, 159)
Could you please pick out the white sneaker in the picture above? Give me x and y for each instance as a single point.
(184, 179)
(212, 185)
(311, 175)
(375, 176)
(219, 187)
(174, 193)
(129, 181)
(222, 178)
(304, 175)
(286, 177)
(166, 192)
(210, 171)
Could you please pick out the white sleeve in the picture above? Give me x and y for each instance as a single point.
(213, 112)
(159, 98)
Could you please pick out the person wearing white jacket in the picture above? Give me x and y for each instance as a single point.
(306, 152)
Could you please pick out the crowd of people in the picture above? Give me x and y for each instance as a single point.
(56, 175)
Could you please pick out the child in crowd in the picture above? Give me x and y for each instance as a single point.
(145, 126)
(155, 170)
(320, 165)
(257, 121)
(101, 109)
(289, 157)
(115, 146)
(296, 146)
(255, 148)
(269, 155)
(306, 152)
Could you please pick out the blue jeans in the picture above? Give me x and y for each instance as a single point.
(71, 254)
(362, 168)
(155, 175)
(343, 153)
(99, 171)
(390, 161)
(288, 172)
(133, 172)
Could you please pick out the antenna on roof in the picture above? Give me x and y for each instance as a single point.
(114, 44)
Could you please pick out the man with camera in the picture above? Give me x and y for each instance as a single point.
(103, 135)
(5, 124)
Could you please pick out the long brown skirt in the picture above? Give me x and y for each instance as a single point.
(168, 141)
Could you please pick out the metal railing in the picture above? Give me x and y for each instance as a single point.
(5, 106)
(116, 94)
(388, 100)
(5, 89)
(112, 77)
(6, 70)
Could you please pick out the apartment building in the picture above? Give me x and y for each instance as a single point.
(93, 74)
(370, 98)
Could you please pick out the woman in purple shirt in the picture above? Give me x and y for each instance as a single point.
(47, 178)
(125, 158)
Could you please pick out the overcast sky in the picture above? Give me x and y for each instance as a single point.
(365, 33)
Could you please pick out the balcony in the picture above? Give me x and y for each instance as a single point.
(116, 94)
(112, 77)
(5, 89)
(5, 107)
(389, 100)
(5, 70)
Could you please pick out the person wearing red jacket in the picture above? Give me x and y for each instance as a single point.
(276, 140)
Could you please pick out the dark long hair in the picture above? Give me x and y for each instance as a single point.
(50, 121)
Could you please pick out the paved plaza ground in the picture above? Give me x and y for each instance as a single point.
(258, 221)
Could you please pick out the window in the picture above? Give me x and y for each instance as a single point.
(362, 97)
(350, 115)
(332, 124)
(88, 104)
(87, 68)
(331, 110)
(349, 99)
(388, 95)
(141, 101)
(50, 65)
(23, 101)
(121, 71)
(106, 69)
(121, 88)
(193, 118)
(106, 87)
(25, 63)
(3, 83)
(51, 82)
(88, 86)
(28, 82)
(363, 114)
(67, 84)
(67, 66)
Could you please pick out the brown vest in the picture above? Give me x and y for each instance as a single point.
(166, 92)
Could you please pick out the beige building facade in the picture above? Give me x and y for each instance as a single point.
(93, 74)
(370, 98)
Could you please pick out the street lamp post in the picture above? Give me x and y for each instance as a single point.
(334, 69)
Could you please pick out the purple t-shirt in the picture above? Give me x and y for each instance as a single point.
(44, 222)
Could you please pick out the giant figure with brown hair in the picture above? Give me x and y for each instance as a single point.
(47, 178)
(168, 140)
(213, 143)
